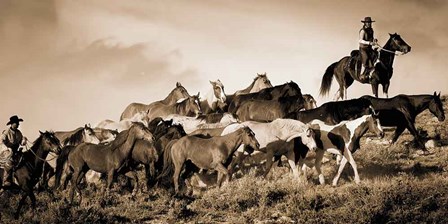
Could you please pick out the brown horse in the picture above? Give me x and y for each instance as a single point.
(187, 107)
(209, 153)
(29, 170)
(176, 94)
(269, 110)
(260, 82)
(108, 159)
(346, 70)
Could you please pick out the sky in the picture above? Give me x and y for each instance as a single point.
(67, 63)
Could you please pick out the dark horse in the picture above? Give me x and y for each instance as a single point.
(333, 113)
(346, 70)
(271, 93)
(400, 111)
(29, 169)
(108, 159)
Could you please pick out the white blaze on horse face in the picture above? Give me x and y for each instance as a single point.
(90, 137)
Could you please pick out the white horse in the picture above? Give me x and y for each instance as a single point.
(124, 124)
(215, 99)
(191, 124)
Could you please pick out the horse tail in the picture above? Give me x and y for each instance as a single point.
(168, 166)
(60, 163)
(327, 79)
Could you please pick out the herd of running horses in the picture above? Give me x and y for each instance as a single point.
(185, 134)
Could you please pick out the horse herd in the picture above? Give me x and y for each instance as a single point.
(185, 134)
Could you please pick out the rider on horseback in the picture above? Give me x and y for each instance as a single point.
(367, 43)
(10, 141)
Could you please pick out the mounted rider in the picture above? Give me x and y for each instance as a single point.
(10, 141)
(367, 44)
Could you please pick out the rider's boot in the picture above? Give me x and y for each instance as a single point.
(364, 75)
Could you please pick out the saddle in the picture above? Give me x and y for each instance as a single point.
(355, 63)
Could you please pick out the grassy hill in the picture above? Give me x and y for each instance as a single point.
(399, 185)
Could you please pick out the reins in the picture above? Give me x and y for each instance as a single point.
(28, 149)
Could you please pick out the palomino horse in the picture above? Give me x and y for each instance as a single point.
(343, 139)
(105, 158)
(272, 93)
(334, 112)
(215, 100)
(175, 95)
(309, 101)
(400, 111)
(260, 82)
(209, 153)
(269, 110)
(187, 107)
(191, 124)
(29, 170)
(267, 133)
(346, 70)
(126, 123)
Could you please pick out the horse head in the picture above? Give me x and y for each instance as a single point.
(436, 107)
(310, 102)
(396, 43)
(140, 131)
(249, 139)
(374, 124)
(219, 95)
(261, 82)
(50, 142)
(179, 92)
(193, 106)
(89, 135)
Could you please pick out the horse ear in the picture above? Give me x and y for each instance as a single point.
(439, 93)
(178, 84)
(198, 94)
(390, 34)
(41, 132)
(435, 93)
(85, 126)
(211, 82)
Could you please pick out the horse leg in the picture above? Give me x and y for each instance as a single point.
(398, 131)
(347, 156)
(21, 203)
(413, 130)
(292, 163)
(318, 165)
(224, 173)
(386, 89)
(134, 179)
(375, 85)
(177, 170)
(110, 178)
(269, 156)
(238, 160)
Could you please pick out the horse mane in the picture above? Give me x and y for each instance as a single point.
(120, 139)
(291, 124)
(75, 138)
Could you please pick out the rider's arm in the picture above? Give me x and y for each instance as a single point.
(4, 140)
(361, 38)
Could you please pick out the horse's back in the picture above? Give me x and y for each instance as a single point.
(132, 109)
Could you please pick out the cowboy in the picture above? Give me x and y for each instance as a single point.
(10, 141)
(367, 43)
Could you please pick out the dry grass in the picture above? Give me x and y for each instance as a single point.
(398, 186)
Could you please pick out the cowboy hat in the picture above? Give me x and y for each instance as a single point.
(14, 119)
(367, 20)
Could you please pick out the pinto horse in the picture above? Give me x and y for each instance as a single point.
(187, 107)
(109, 159)
(175, 95)
(342, 139)
(334, 112)
(215, 100)
(346, 70)
(272, 93)
(209, 153)
(400, 111)
(29, 169)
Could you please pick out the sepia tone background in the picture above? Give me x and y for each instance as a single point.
(67, 63)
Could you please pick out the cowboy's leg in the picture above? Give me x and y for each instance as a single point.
(6, 157)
